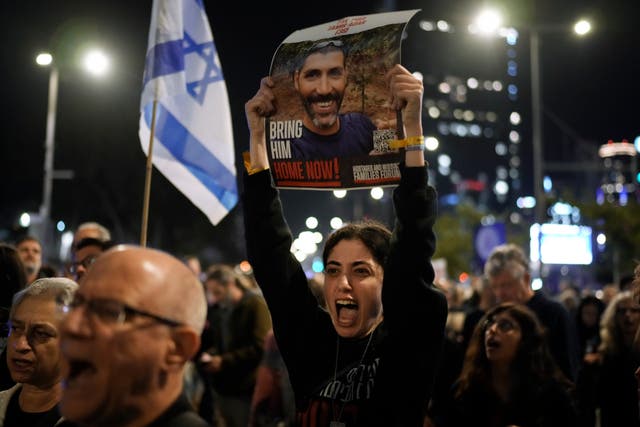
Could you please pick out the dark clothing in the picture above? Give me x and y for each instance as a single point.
(272, 403)
(354, 139)
(547, 405)
(470, 322)
(179, 414)
(249, 323)
(588, 335)
(239, 340)
(388, 383)
(612, 387)
(6, 381)
(16, 417)
(561, 333)
(210, 340)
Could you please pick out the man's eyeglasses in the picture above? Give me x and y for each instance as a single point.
(112, 312)
(503, 325)
(86, 263)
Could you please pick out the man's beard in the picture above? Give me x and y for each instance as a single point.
(308, 106)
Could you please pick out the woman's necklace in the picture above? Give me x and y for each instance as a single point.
(337, 422)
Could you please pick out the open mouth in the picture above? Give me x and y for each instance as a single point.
(79, 370)
(324, 104)
(492, 344)
(347, 311)
(21, 364)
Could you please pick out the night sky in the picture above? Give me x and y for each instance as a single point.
(591, 86)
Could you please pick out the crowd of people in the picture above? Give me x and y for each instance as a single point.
(531, 359)
(130, 336)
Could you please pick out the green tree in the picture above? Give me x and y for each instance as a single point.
(455, 231)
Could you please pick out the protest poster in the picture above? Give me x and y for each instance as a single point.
(333, 122)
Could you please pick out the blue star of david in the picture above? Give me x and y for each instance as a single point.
(212, 73)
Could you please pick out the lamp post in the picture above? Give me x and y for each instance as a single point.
(488, 21)
(96, 63)
(580, 28)
(536, 123)
(45, 59)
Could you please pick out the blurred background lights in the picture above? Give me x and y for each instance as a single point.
(501, 187)
(317, 266)
(582, 27)
(514, 136)
(44, 59)
(96, 62)
(60, 226)
(377, 193)
(444, 87)
(427, 25)
(444, 160)
(443, 26)
(488, 21)
(25, 220)
(335, 223)
(311, 222)
(339, 194)
(304, 245)
(431, 143)
(536, 284)
(245, 266)
(526, 202)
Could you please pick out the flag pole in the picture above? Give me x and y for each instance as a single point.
(147, 181)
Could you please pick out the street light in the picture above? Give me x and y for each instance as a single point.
(46, 59)
(581, 28)
(96, 63)
(489, 20)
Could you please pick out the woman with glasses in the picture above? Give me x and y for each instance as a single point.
(509, 377)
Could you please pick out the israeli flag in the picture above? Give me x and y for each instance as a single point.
(193, 137)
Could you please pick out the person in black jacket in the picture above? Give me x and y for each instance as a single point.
(370, 358)
(232, 359)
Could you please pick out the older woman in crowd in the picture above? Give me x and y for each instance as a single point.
(33, 354)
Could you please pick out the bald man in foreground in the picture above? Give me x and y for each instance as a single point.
(134, 323)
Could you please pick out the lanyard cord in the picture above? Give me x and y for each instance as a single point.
(335, 373)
